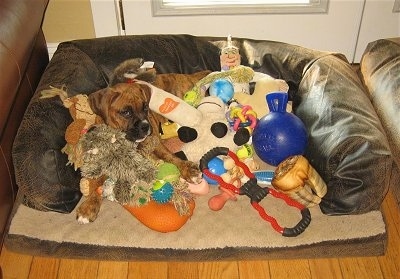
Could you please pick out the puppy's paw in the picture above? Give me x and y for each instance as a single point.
(82, 220)
(190, 171)
(88, 210)
(84, 187)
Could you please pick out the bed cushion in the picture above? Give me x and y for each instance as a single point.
(347, 144)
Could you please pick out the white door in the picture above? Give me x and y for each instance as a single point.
(346, 27)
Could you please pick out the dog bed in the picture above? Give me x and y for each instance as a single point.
(236, 232)
(347, 147)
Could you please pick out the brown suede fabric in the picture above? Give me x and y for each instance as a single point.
(23, 58)
(347, 144)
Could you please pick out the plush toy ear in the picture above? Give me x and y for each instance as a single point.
(187, 134)
(149, 75)
(219, 129)
(131, 69)
(252, 87)
(241, 136)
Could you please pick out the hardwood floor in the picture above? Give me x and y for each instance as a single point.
(387, 266)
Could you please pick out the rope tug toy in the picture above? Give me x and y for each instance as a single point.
(256, 193)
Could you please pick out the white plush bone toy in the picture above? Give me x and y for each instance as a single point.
(172, 107)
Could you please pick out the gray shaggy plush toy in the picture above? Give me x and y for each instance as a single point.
(132, 69)
(106, 152)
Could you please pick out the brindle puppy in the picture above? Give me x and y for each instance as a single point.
(168, 82)
(176, 84)
(125, 106)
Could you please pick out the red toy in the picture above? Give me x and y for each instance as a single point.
(256, 193)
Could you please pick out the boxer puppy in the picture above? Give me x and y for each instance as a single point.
(185, 82)
(125, 106)
(176, 84)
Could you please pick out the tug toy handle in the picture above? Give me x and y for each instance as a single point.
(211, 154)
(257, 193)
(299, 228)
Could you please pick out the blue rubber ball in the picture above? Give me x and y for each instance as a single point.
(164, 194)
(279, 134)
(215, 166)
(222, 88)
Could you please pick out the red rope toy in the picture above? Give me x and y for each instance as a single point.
(256, 193)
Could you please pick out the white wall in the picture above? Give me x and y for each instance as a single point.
(335, 31)
(378, 22)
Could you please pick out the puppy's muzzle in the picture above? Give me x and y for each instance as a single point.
(139, 131)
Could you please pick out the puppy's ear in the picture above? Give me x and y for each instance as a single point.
(147, 91)
(98, 102)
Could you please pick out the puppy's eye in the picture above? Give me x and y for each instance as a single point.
(126, 112)
(145, 107)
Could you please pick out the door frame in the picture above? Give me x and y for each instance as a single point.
(107, 18)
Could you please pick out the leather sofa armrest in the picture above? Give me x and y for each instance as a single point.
(380, 71)
(23, 58)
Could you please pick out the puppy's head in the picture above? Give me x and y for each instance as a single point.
(126, 107)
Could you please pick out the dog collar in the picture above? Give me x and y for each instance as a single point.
(131, 80)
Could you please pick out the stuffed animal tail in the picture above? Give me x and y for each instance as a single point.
(53, 92)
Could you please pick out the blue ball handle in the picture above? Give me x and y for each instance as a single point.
(277, 101)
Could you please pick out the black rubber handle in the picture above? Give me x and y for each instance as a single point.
(301, 226)
(216, 151)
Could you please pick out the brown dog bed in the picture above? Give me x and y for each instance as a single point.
(347, 147)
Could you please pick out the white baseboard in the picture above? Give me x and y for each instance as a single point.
(51, 48)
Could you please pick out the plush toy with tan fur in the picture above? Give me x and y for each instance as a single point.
(258, 100)
(132, 179)
(83, 118)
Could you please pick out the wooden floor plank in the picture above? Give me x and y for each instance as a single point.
(325, 269)
(390, 262)
(390, 207)
(15, 266)
(78, 269)
(254, 269)
(148, 270)
(111, 269)
(185, 270)
(361, 267)
(220, 270)
(21, 266)
(299, 269)
(44, 268)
